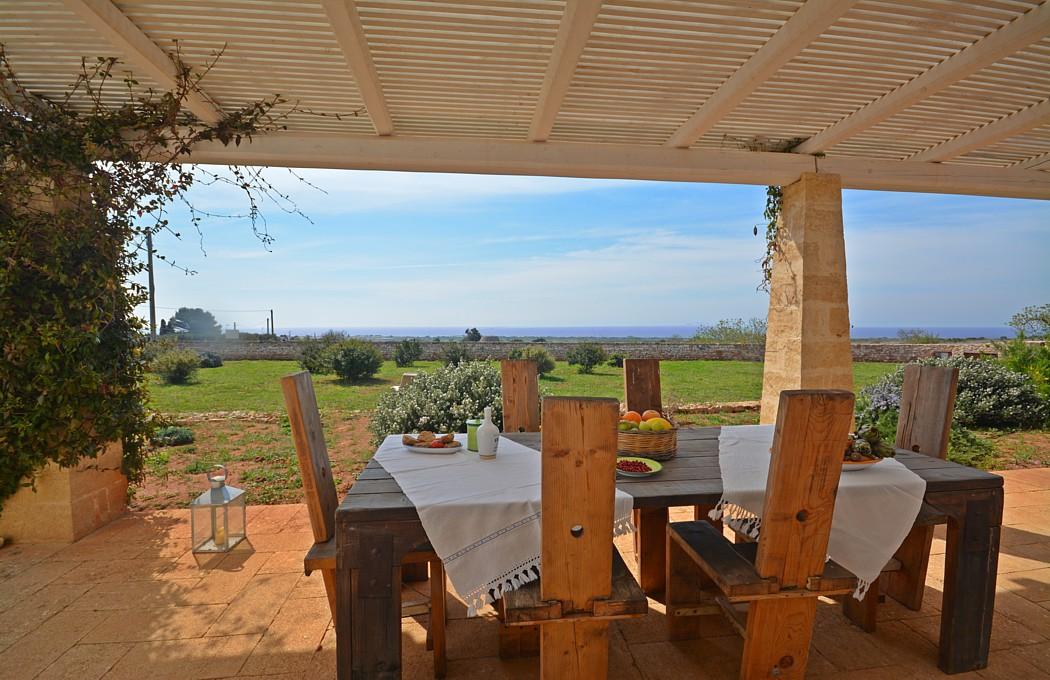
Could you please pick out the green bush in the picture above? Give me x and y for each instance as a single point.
(316, 356)
(441, 401)
(172, 436)
(176, 366)
(1030, 359)
(455, 354)
(544, 360)
(989, 394)
(210, 360)
(585, 356)
(407, 352)
(964, 447)
(918, 336)
(616, 360)
(355, 359)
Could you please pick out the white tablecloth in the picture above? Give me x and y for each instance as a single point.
(874, 510)
(482, 516)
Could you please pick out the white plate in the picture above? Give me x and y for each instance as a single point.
(445, 449)
(850, 466)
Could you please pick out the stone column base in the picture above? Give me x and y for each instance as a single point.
(69, 503)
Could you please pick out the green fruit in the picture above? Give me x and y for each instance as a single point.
(626, 425)
(646, 426)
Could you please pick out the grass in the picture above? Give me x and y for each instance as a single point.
(255, 386)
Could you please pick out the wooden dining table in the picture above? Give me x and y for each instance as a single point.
(376, 525)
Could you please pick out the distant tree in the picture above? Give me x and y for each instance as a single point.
(1032, 321)
(918, 336)
(472, 335)
(733, 331)
(195, 321)
(164, 330)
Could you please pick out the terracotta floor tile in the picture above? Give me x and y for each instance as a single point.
(28, 614)
(1032, 585)
(283, 562)
(1008, 665)
(255, 606)
(1023, 534)
(115, 571)
(1006, 632)
(1024, 557)
(137, 594)
(163, 623)
(45, 643)
(309, 586)
(192, 659)
(85, 662)
(23, 584)
(705, 658)
(287, 540)
(16, 557)
(1037, 655)
(289, 643)
(1027, 499)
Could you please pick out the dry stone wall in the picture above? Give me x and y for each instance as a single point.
(233, 350)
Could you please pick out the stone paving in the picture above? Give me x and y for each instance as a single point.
(130, 601)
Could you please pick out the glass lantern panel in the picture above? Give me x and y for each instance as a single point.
(237, 520)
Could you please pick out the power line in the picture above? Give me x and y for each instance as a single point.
(226, 311)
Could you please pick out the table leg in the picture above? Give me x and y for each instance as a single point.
(651, 550)
(368, 641)
(971, 560)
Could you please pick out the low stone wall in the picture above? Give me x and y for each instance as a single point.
(233, 350)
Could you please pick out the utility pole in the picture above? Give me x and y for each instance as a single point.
(267, 326)
(152, 292)
(273, 329)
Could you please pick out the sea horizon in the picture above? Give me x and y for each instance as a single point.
(660, 332)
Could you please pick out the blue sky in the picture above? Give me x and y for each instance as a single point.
(404, 249)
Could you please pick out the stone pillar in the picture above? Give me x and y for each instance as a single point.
(807, 343)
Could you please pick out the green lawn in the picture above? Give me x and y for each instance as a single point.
(254, 385)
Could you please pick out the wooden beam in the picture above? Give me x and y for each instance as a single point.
(351, 36)
(563, 159)
(1035, 162)
(1011, 38)
(141, 52)
(812, 19)
(575, 29)
(986, 135)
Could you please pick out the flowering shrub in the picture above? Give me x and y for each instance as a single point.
(455, 354)
(172, 435)
(441, 401)
(355, 359)
(544, 360)
(989, 395)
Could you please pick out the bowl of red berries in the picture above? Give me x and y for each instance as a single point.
(633, 466)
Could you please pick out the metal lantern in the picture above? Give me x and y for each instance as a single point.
(217, 516)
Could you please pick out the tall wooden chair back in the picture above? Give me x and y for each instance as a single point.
(304, 418)
(521, 395)
(578, 452)
(641, 385)
(927, 404)
(812, 429)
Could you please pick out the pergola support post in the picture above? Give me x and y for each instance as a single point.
(807, 342)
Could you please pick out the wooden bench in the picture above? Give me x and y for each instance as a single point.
(585, 582)
(322, 501)
(780, 577)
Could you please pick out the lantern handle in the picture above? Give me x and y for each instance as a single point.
(217, 481)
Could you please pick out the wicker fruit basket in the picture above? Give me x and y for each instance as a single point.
(662, 445)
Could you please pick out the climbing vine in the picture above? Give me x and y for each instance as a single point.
(772, 217)
(84, 177)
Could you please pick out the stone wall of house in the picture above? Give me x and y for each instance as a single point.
(232, 350)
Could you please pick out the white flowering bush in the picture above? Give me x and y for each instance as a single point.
(441, 401)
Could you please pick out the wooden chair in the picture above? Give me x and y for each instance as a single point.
(780, 576)
(521, 395)
(927, 404)
(322, 500)
(585, 582)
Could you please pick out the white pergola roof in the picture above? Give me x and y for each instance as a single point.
(915, 95)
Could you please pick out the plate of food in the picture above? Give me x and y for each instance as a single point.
(865, 449)
(429, 442)
(634, 466)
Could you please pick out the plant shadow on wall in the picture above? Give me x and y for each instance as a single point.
(84, 178)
